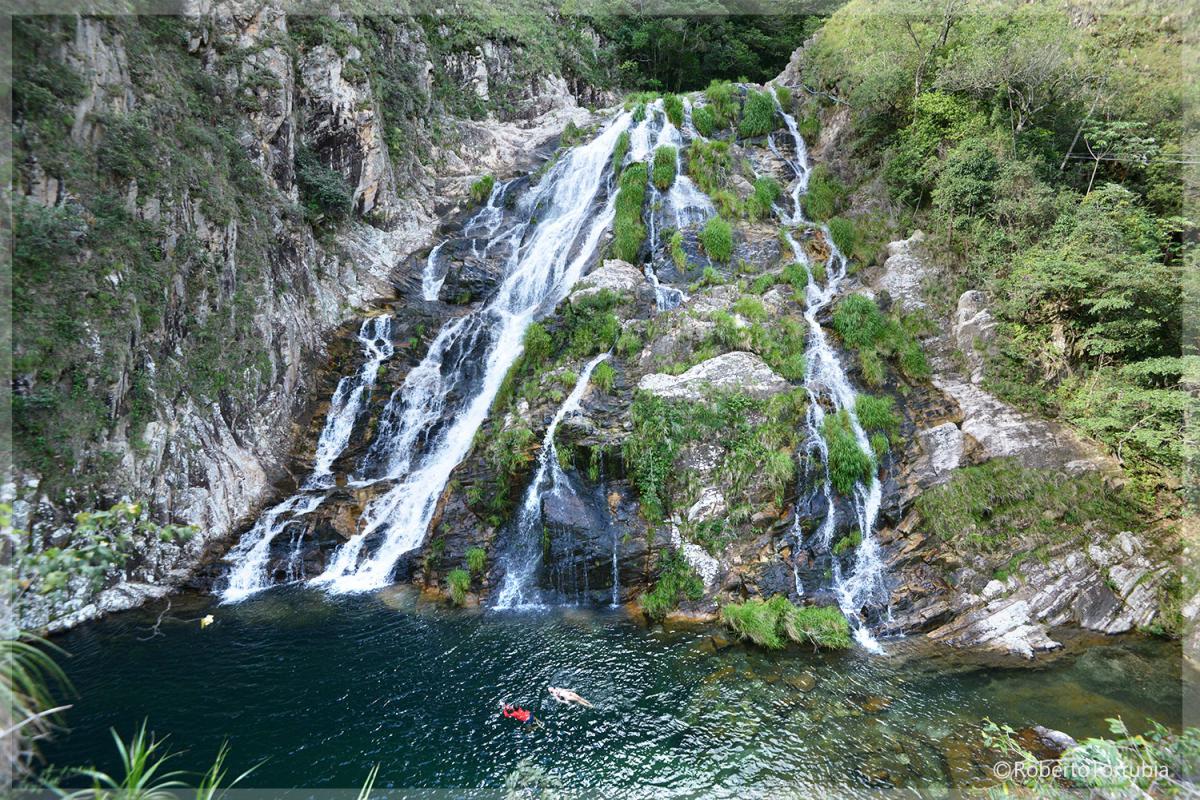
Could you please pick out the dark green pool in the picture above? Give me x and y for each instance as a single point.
(323, 689)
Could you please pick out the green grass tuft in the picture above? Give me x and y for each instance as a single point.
(772, 623)
(758, 115)
(481, 189)
(720, 97)
(704, 120)
(459, 581)
(476, 558)
(603, 376)
(844, 235)
(676, 580)
(875, 336)
(620, 150)
(877, 414)
(824, 196)
(717, 239)
(664, 167)
(766, 192)
(673, 105)
(848, 464)
(628, 231)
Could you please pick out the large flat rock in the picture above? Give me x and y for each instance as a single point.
(736, 372)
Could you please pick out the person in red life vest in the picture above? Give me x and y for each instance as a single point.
(519, 714)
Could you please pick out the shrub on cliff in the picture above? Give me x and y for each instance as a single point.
(676, 580)
(876, 336)
(719, 95)
(772, 623)
(823, 195)
(766, 191)
(481, 189)
(704, 120)
(324, 193)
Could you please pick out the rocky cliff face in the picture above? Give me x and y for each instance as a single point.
(277, 173)
(1103, 579)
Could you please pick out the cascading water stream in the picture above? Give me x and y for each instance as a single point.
(826, 382)
(518, 589)
(434, 274)
(347, 401)
(431, 420)
(483, 225)
(251, 555)
(685, 203)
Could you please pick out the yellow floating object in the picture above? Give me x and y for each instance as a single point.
(206, 621)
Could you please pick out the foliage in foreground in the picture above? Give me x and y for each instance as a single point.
(28, 674)
(1158, 763)
(773, 623)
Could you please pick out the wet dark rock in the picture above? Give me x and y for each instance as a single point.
(1044, 743)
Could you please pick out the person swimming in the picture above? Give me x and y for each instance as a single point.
(567, 696)
(522, 715)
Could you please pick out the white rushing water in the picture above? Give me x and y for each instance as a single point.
(827, 384)
(684, 205)
(434, 274)
(375, 335)
(251, 556)
(482, 226)
(518, 589)
(430, 421)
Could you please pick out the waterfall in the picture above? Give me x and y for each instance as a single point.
(430, 421)
(252, 553)
(826, 382)
(249, 574)
(434, 274)
(685, 205)
(518, 588)
(482, 225)
(347, 401)
(616, 573)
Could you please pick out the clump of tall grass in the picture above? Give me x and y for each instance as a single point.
(773, 623)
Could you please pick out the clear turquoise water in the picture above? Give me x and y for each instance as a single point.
(324, 689)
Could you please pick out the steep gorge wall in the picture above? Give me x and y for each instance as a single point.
(200, 201)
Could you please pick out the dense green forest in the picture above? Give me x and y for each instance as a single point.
(1043, 154)
(679, 53)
